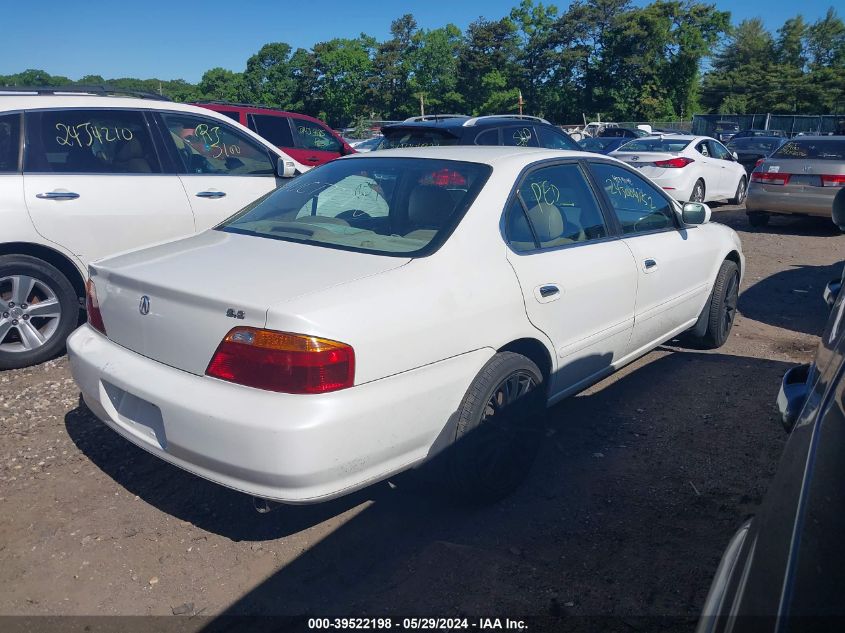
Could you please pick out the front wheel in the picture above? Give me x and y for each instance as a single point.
(741, 192)
(499, 427)
(697, 194)
(38, 310)
(723, 304)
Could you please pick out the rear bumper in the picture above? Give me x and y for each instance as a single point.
(289, 448)
(815, 201)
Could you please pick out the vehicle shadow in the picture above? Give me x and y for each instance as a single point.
(626, 511)
(791, 299)
(778, 224)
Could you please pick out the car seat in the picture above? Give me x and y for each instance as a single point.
(429, 208)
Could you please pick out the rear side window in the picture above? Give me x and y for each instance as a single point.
(822, 149)
(10, 142)
(552, 139)
(488, 137)
(417, 137)
(557, 208)
(519, 136)
(275, 129)
(90, 141)
(315, 136)
(235, 116)
(638, 205)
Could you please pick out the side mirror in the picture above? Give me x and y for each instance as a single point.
(285, 167)
(839, 209)
(695, 213)
(736, 156)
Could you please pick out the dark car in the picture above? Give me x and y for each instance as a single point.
(602, 144)
(304, 138)
(784, 570)
(622, 132)
(725, 130)
(500, 129)
(748, 133)
(750, 150)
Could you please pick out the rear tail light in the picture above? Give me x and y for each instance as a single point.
(769, 177)
(759, 162)
(95, 319)
(283, 362)
(833, 181)
(677, 163)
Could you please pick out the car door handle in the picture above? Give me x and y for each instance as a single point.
(649, 265)
(57, 195)
(211, 194)
(547, 293)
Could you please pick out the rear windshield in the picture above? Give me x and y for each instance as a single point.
(655, 145)
(417, 137)
(755, 143)
(819, 149)
(596, 144)
(387, 206)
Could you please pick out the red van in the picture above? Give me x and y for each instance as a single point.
(304, 138)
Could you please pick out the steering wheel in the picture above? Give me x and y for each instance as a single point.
(354, 214)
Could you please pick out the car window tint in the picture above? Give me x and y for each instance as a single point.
(519, 136)
(561, 208)
(718, 150)
(275, 129)
(10, 139)
(488, 137)
(639, 205)
(315, 136)
(209, 146)
(388, 206)
(553, 139)
(90, 141)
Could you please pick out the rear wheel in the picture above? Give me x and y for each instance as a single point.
(38, 310)
(723, 305)
(758, 218)
(499, 427)
(741, 191)
(697, 194)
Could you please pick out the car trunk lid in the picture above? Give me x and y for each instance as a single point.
(198, 289)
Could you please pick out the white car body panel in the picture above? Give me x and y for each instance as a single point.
(421, 329)
(721, 177)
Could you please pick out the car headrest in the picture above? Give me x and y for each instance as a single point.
(429, 206)
(547, 221)
(131, 149)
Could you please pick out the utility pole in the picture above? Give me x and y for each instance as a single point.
(422, 105)
(521, 103)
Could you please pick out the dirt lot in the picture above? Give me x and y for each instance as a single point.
(640, 485)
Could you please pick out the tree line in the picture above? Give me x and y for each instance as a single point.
(663, 61)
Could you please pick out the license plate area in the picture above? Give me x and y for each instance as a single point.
(137, 416)
(808, 180)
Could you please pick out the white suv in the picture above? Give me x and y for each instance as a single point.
(85, 175)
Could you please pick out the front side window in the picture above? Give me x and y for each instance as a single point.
(552, 139)
(557, 208)
(10, 142)
(315, 136)
(638, 205)
(90, 141)
(275, 129)
(385, 206)
(519, 136)
(208, 146)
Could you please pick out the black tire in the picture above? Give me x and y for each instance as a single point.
(494, 448)
(758, 218)
(741, 192)
(723, 304)
(698, 191)
(55, 330)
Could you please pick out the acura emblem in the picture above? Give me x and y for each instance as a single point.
(144, 306)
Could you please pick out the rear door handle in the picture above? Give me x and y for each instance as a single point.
(57, 195)
(547, 293)
(211, 194)
(649, 265)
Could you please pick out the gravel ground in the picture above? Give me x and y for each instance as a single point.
(642, 481)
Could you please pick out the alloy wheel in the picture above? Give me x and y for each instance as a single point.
(30, 313)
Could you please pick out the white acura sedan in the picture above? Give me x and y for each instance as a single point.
(695, 168)
(386, 308)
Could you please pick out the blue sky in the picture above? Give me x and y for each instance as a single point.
(181, 39)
